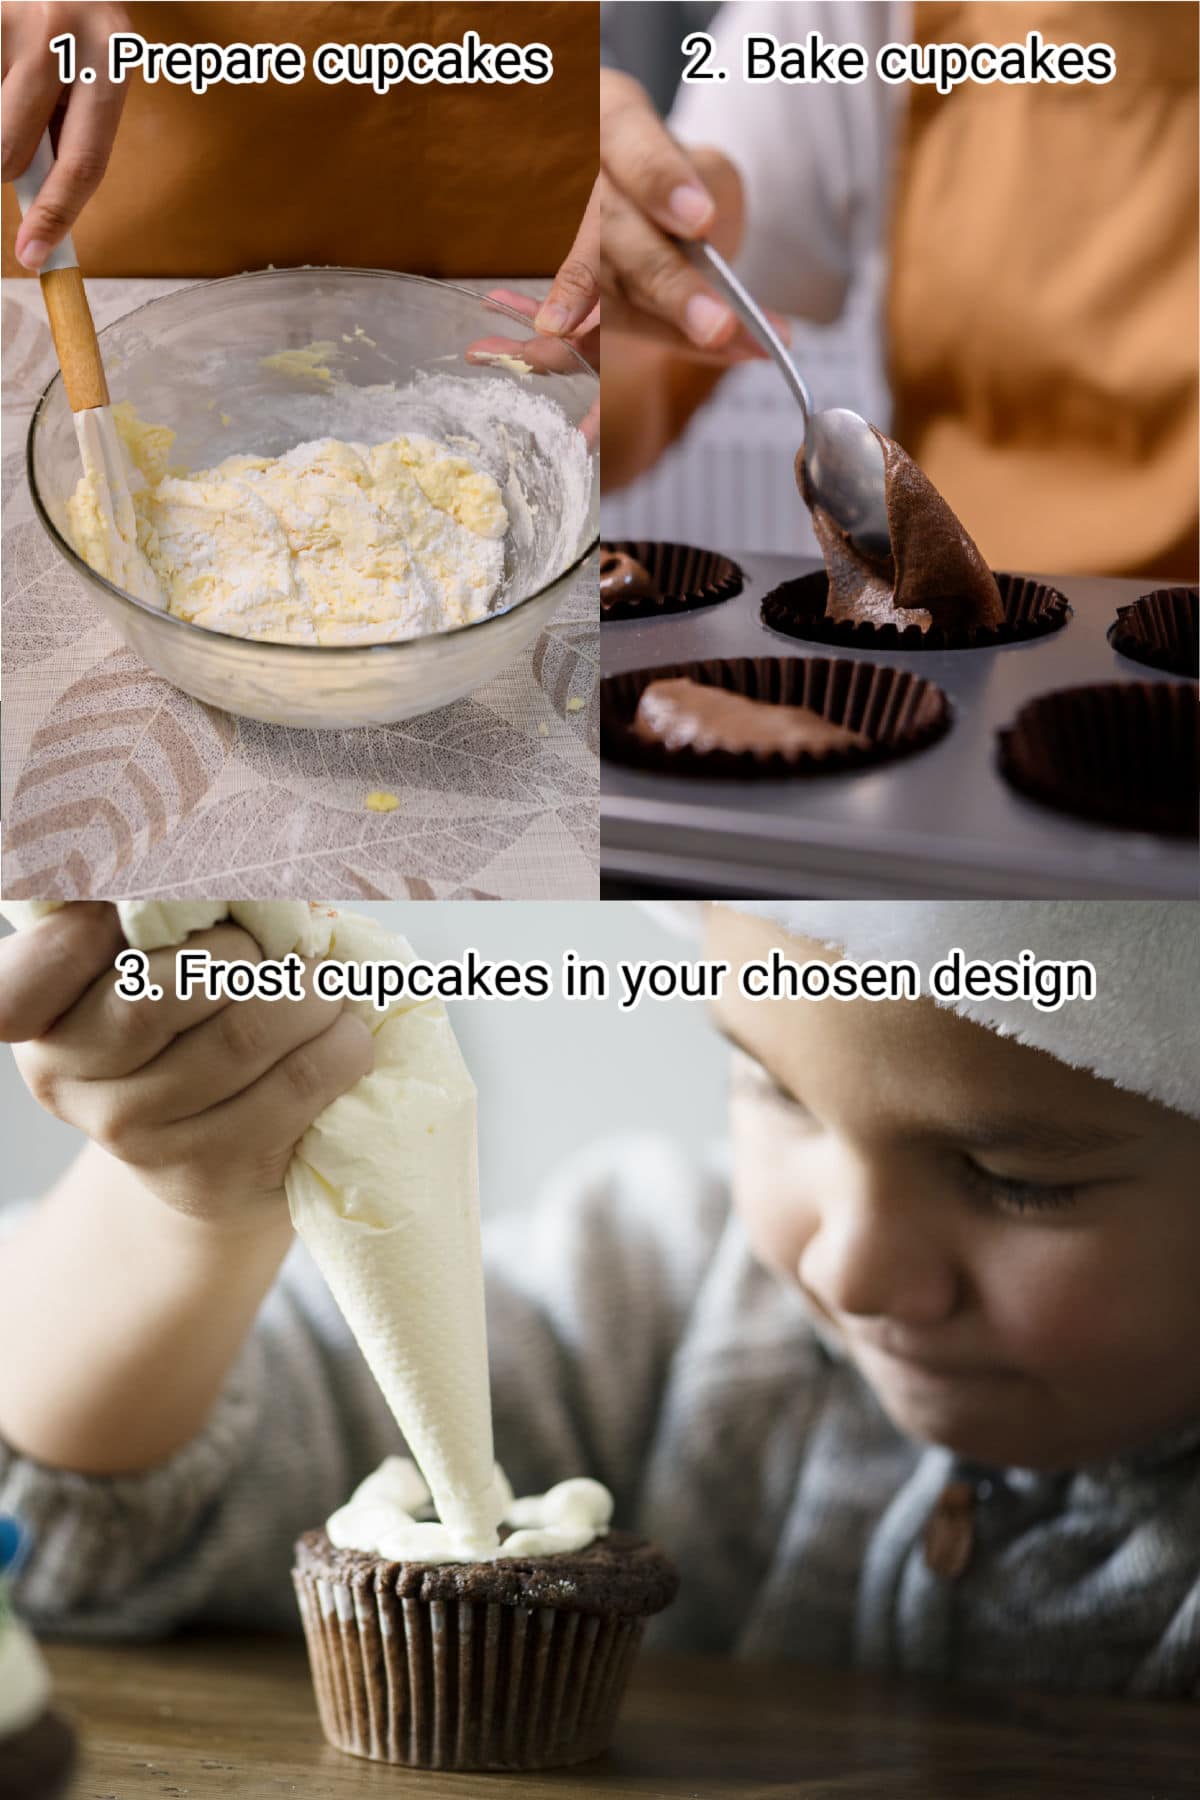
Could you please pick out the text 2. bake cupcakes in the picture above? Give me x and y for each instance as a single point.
(640, 579)
(518, 1662)
(768, 716)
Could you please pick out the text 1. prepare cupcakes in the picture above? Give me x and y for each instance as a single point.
(517, 1662)
(1125, 753)
(766, 716)
(640, 579)
(1159, 629)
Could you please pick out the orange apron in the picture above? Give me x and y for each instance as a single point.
(1042, 309)
(449, 181)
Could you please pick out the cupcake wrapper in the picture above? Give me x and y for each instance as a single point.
(685, 577)
(797, 609)
(1124, 753)
(901, 712)
(462, 1684)
(1159, 629)
(37, 1762)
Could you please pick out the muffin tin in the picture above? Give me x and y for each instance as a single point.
(943, 823)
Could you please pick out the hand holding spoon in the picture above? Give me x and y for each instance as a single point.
(843, 459)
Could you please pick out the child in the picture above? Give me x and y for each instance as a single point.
(926, 1398)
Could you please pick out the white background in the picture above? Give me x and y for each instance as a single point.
(552, 1074)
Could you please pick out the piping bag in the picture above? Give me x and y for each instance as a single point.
(383, 1188)
(105, 468)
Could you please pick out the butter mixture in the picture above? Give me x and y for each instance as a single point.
(331, 543)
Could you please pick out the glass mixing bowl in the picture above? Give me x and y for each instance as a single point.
(194, 360)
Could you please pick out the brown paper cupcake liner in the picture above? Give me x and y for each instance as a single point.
(38, 1761)
(797, 609)
(462, 1684)
(1159, 629)
(1124, 753)
(899, 711)
(684, 576)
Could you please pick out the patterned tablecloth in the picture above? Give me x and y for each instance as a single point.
(116, 784)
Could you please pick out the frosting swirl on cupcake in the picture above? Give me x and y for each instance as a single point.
(382, 1518)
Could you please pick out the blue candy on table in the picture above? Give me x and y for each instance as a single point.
(14, 1544)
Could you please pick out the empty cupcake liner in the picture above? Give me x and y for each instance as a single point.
(1159, 629)
(685, 577)
(797, 609)
(460, 1684)
(1124, 753)
(899, 711)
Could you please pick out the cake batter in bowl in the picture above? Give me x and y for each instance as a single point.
(348, 415)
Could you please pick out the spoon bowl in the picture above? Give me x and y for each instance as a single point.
(842, 456)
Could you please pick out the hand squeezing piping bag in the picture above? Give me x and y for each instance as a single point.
(383, 1188)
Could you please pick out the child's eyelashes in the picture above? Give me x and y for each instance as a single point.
(750, 1080)
(1011, 1195)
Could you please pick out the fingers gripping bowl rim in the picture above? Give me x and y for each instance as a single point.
(184, 356)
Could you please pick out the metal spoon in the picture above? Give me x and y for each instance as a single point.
(843, 459)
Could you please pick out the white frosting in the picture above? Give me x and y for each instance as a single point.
(380, 1518)
(331, 543)
(24, 1681)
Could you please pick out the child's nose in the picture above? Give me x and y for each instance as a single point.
(877, 1252)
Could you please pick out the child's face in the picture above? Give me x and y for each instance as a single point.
(1005, 1246)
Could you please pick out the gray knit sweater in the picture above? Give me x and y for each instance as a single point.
(634, 1338)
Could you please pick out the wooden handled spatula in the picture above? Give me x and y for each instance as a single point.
(104, 463)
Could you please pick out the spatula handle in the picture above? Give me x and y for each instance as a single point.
(74, 337)
(66, 302)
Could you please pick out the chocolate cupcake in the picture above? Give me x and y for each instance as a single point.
(517, 1663)
(1124, 753)
(1159, 629)
(767, 716)
(640, 579)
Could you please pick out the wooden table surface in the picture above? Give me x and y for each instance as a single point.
(235, 1716)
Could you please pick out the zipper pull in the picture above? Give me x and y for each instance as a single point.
(950, 1531)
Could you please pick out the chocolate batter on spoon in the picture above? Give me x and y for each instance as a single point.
(691, 715)
(934, 575)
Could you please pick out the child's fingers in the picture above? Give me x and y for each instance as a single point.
(255, 1133)
(44, 972)
(220, 1057)
(105, 1036)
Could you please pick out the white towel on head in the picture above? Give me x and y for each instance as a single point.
(1141, 1032)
